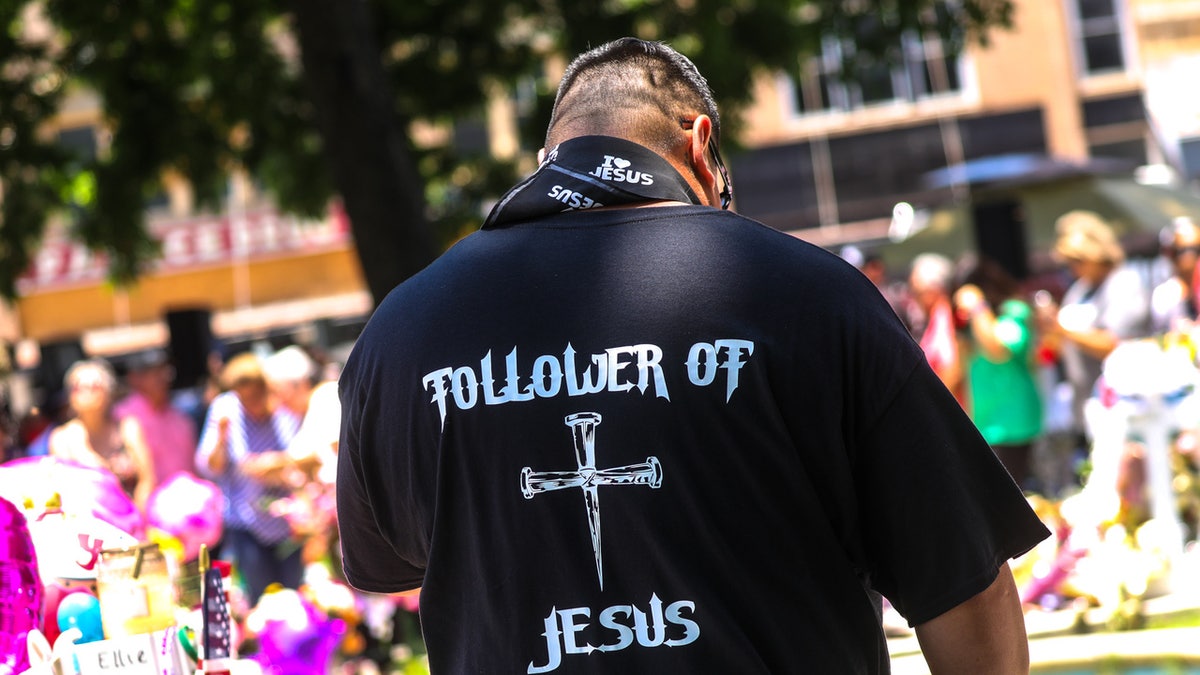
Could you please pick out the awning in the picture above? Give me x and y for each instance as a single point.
(231, 324)
(1137, 213)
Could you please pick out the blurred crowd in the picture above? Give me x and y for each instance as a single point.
(261, 427)
(1030, 359)
(1079, 377)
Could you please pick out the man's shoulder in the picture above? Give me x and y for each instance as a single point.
(690, 214)
(772, 241)
(731, 225)
(735, 225)
(743, 246)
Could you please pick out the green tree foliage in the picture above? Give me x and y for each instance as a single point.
(316, 99)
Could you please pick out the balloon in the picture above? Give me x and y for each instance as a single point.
(82, 611)
(294, 637)
(81, 490)
(52, 598)
(21, 588)
(189, 509)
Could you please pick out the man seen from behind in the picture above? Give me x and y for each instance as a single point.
(623, 430)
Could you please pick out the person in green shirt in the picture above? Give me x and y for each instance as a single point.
(1004, 401)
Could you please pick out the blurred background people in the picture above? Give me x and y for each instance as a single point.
(1107, 303)
(10, 447)
(930, 283)
(242, 449)
(1172, 304)
(873, 267)
(194, 401)
(305, 390)
(35, 427)
(291, 374)
(170, 435)
(303, 387)
(1003, 393)
(96, 437)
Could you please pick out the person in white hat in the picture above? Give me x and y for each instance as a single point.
(1107, 303)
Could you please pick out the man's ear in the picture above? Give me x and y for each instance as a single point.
(698, 154)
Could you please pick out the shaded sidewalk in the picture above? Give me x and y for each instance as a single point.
(1066, 641)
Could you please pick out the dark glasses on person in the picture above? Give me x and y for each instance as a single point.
(726, 192)
(1180, 250)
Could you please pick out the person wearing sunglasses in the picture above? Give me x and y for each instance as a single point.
(622, 429)
(1173, 302)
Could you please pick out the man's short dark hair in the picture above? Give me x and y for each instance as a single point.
(646, 88)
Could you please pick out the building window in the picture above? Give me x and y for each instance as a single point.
(1132, 151)
(922, 68)
(1099, 35)
(860, 176)
(1101, 112)
(1116, 127)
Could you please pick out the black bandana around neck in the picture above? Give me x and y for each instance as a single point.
(591, 171)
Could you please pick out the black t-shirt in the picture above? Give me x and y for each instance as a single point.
(659, 440)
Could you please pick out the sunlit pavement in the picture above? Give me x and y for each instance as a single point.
(1068, 642)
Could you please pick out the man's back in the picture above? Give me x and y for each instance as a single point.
(657, 440)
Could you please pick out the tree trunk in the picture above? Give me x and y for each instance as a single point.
(373, 169)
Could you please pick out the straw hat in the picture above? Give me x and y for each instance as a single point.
(1083, 235)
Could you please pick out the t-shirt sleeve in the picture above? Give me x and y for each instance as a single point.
(939, 511)
(370, 559)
